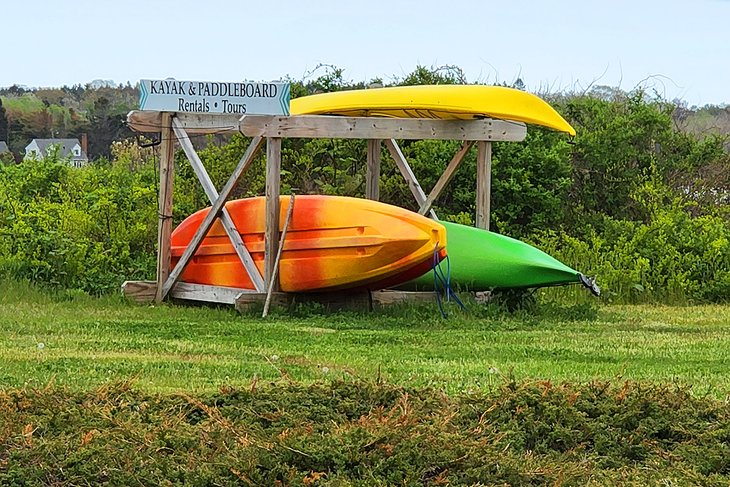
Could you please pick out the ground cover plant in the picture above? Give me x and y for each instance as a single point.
(363, 433)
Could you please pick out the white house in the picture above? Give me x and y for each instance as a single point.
(67, 148)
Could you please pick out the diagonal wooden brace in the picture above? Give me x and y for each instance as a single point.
(407, 172)
(214, 212)
(445, 178)
(243, 254)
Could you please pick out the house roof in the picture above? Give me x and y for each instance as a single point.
(66, 146)
(3, 147)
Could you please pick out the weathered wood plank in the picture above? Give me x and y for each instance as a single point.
(145, 291)
(271, 234)
(207, 294)
(243, 254)
(140, 291)
(323, 126)
(214, 212)
(164, 227)
(484, 184)
(445, 178)
(407, 173)
(372, 176)
(193, 123)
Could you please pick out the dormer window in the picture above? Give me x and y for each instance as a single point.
(77, 151)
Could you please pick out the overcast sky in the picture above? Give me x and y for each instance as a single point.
(679, 48)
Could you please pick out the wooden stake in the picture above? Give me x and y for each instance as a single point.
(278, 257)
(164, 227)
(271, 235)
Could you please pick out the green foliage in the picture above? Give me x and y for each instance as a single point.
(76, 228)
(632, 200)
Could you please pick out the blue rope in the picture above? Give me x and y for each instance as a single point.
(444, 281)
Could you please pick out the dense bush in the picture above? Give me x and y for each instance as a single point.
(86, 228)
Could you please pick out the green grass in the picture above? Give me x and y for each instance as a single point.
(81, 342)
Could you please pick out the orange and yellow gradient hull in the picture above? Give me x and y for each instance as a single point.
(332, 243)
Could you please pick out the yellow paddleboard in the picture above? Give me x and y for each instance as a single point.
(461, 102)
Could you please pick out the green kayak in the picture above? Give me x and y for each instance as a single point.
(481, 260)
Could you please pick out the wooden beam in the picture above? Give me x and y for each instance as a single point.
(164, 227)
(140, 291)
(445, 178)
(207, 294)
(327, 126)
(145, 291)
(193, 123)
(407, 173)
(484, 184)
(271, 235)
(372, 178)
(215, 210)
(212, 194)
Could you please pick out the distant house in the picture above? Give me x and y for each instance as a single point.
(3, 147)
(67, 148)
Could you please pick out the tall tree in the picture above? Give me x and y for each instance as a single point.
(3, 123)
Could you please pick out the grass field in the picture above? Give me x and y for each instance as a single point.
(82, 342)
(104, 392)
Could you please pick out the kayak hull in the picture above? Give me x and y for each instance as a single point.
(332, 243)
(480, 260)
(449, 102)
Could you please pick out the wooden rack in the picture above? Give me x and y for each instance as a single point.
(269, 131)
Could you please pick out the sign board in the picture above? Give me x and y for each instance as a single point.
(170, 95)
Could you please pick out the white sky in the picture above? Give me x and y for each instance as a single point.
(680, 48)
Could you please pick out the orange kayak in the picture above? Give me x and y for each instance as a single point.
(332, 243)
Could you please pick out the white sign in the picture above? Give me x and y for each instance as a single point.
(169, 95)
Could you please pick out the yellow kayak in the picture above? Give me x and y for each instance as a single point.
(449, 102)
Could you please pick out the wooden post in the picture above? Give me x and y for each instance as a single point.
(271, 235)
(164, 227)
(372, 179)
(484, 183)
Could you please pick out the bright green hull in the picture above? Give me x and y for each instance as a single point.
(482, 260)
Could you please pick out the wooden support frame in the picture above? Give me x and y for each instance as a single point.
(214, 212)
(329, 127)
(243, 254)
(271, 129)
